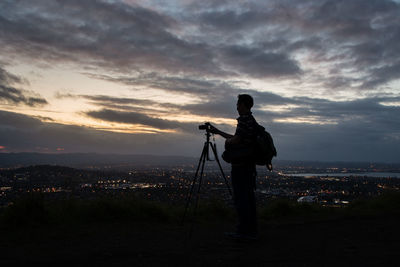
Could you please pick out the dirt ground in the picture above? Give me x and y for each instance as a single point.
(367, 241)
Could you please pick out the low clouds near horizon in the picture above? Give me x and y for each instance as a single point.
(324, 75)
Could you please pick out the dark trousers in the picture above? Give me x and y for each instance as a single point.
(243, 183)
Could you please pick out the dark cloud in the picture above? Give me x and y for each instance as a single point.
(198, 87)
(350, 19)
(118, 100)
(8, 78)
(132, 105)
(367, 32)
(382, 75)
(258, 63)
(233, 20)
(137, 118)
(357, 35)
(12, 95)
(13, 120)
(98, 32)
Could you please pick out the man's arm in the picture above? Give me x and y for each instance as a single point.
(230, 139)
(214, 130)
(223, 134)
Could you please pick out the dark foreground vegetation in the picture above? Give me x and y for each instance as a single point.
(127, 231)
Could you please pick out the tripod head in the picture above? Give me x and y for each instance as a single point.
(207, 126)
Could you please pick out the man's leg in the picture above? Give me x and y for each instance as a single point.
(244, 198)
(250, 200)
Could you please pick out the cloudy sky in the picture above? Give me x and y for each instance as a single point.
(140, 76)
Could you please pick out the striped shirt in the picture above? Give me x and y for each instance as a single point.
(246, 127)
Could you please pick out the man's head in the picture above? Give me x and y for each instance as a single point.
(244, 104)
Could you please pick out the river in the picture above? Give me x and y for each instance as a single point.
(341, 174)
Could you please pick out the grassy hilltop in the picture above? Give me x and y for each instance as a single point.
(130, 231)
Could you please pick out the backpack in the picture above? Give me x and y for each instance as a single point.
(264, 148)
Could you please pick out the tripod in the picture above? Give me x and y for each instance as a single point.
(204, 156)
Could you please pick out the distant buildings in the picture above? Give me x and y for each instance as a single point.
(171, 185)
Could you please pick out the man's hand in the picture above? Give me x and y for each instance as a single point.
(214, 130)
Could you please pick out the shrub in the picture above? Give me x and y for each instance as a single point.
(211, 210)
(284, 208)
(28, 210)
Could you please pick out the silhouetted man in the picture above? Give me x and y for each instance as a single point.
(243, 173)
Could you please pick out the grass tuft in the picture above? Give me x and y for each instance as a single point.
(387, 203)
(284, 208)
(33, 209)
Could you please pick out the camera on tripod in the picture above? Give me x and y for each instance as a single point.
(206, 126)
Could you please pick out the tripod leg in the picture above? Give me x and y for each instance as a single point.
(219, 164)
(190, 193)
(198, 190)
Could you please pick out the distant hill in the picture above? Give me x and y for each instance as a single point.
(118, 161)
(85, 160)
